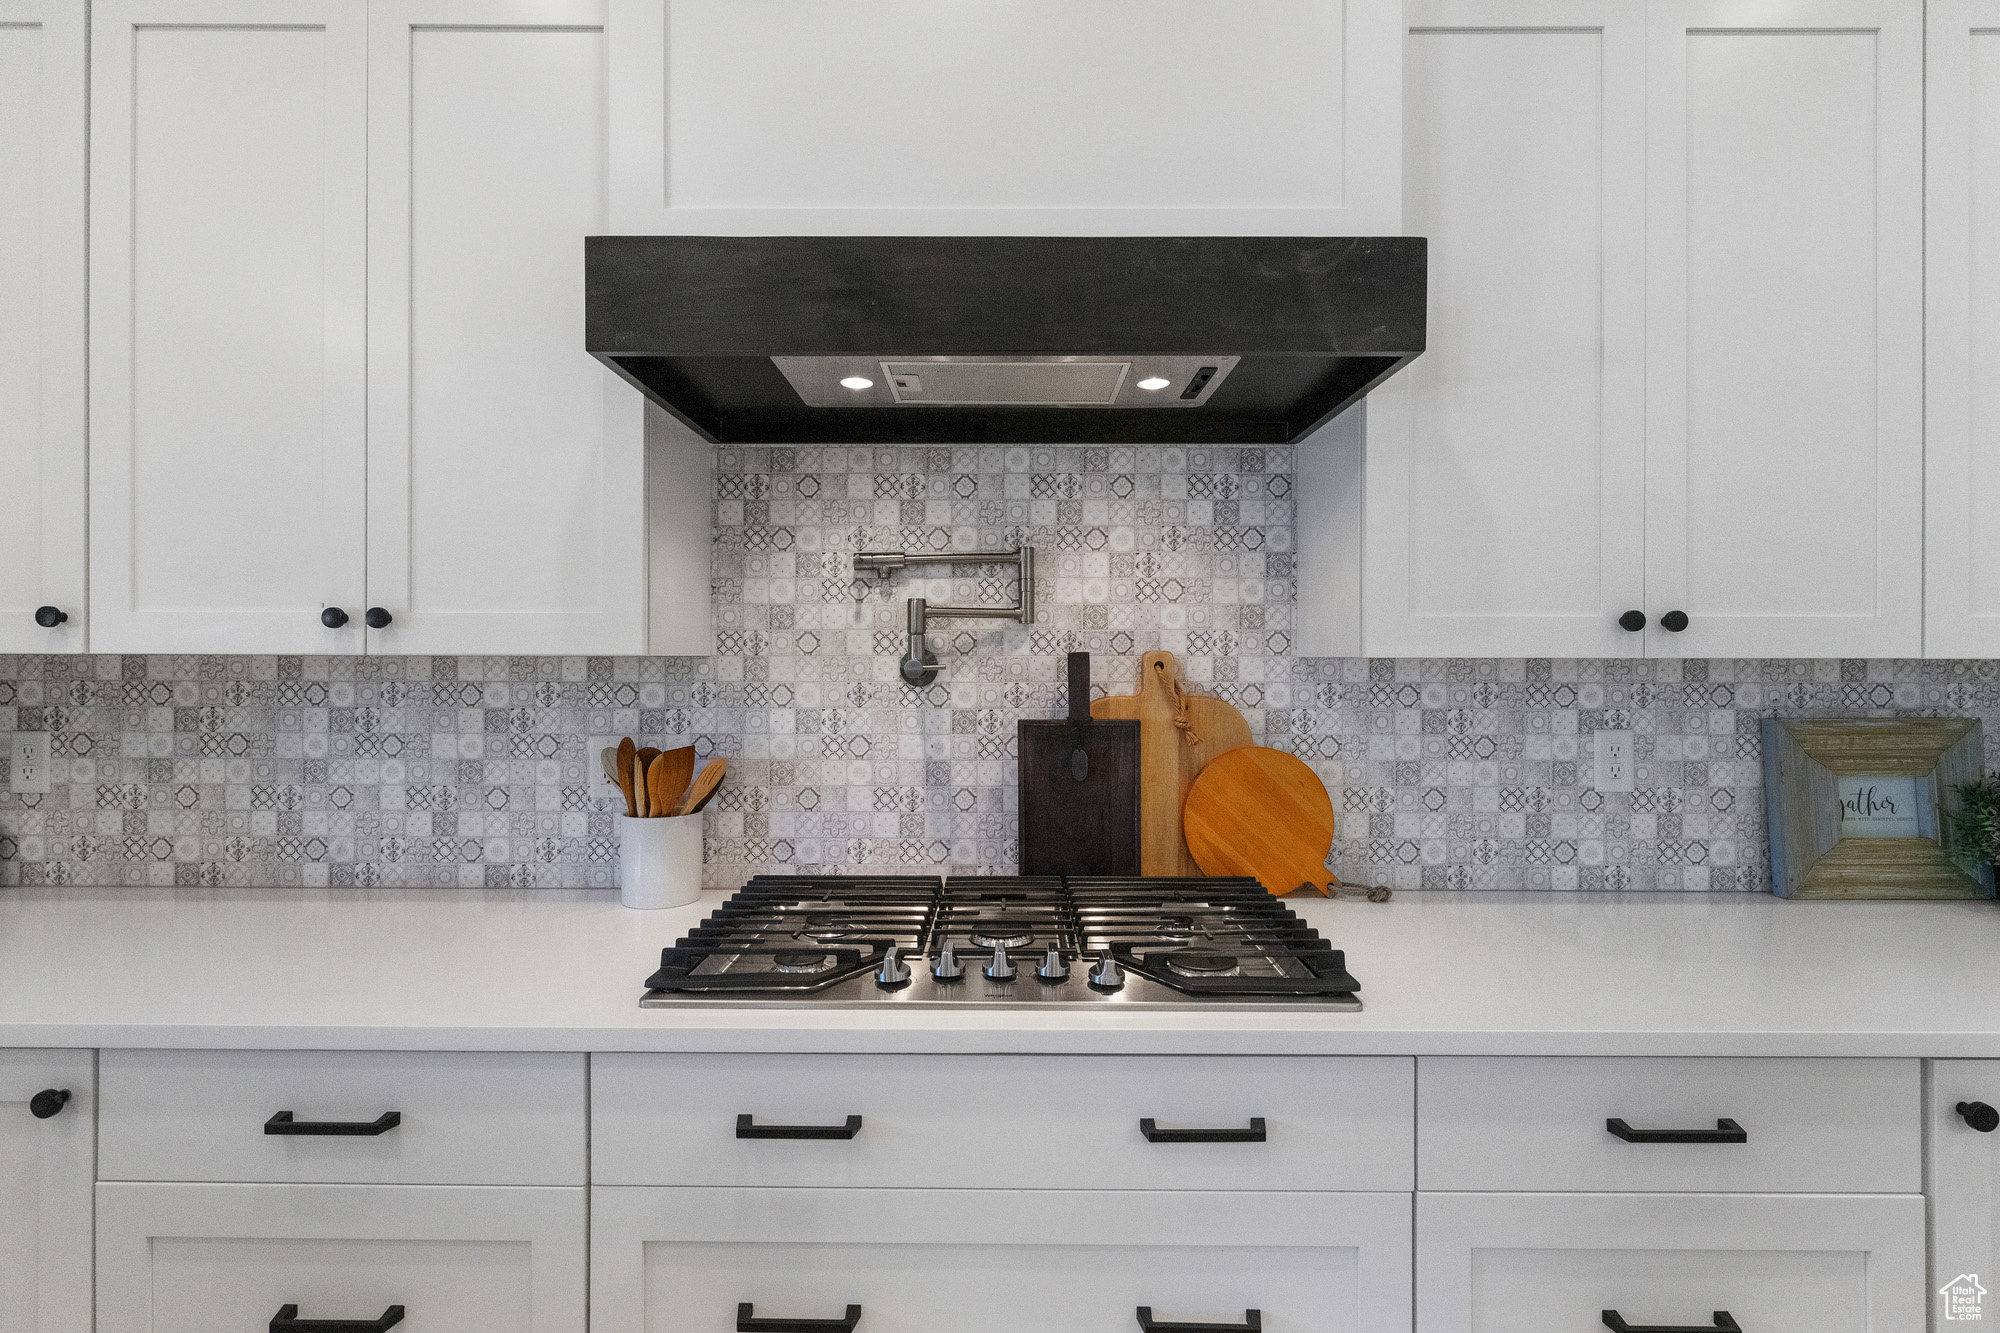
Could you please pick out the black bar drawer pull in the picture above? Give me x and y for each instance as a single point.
(282, 1123)
(1253, 1320)
(1723, 1324)
(1154, 1134)
(747, 1129)
(1725, 1131)
(287, 1321)
(747, 1321)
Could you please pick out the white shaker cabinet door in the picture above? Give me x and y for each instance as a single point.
(42, 133)
(997, 1261)
(228, 273)
(1962, 1180)
(506, 487)
(1962, 336)
(1034, 117)
(203, 1258)
(45, 1172)
(1774, 1263)
(1505, 465)
(1784, 443)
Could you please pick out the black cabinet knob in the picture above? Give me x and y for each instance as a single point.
(1979, 1115)
(1632, 621)
(1674, 621)
(48, 1102)
(333, 617)
(48, 617)
(377, 618)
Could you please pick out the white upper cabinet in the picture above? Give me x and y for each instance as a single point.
(228, 265)
(42, 128)
(1050, 117)
(1784, 441)
(1504, 490)
(1676, 340)
(505, 464)
(1962, 346)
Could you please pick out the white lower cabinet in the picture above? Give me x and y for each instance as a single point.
(997, 1261)
(1962, 1179)
(175, 1258)
(45, 1169)
(1774, 1263)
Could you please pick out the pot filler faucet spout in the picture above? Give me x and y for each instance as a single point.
(919, 666)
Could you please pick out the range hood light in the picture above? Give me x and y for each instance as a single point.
(1153, 384)
(857, 382)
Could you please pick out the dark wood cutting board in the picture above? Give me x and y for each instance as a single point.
(1079, 800)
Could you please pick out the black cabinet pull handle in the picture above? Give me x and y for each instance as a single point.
(48, 617)
(1976, 1114)
(1632, 621)
(1723, 1324)
(287, 1321)
(747, 1129)
(1673, 622)
(282, 1123)
(1725, 1131)
(333, 617)
(1154, 1134)
(1253, 1320)
(48, 1102)
(747, 1322)
(377, 618)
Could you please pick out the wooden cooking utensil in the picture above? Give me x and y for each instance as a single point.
(677, 768)
(628, 763)
(702, 790)
(1179, 734)
(642, 773)
(1263, 813)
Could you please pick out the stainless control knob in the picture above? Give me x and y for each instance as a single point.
(895, 972)
(948, 967)
(1001, 967)
(1053, 967)
(1107, 975)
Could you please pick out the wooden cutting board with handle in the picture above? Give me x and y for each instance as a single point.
(1263, 813)
(1180, 733)
(1079, 792)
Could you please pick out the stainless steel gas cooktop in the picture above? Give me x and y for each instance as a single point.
(1007, 942)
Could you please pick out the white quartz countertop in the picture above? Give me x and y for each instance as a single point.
(1512, 974)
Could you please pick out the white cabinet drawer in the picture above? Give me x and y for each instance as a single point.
(998, 1261)
(1004, 1122)
(1537, 1263)
(1833, 1126)
(200, 1258)
(466, 1118)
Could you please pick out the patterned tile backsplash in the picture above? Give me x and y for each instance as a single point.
(477, 771)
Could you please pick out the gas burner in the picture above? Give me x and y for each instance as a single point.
(822, 929)
(1201, 966)
(1001, 934)
(797, 961)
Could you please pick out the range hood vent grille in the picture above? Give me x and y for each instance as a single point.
(1019, 383)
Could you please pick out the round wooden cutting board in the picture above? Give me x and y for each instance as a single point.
(1261, 812)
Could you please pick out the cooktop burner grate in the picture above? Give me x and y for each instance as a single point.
(825, 940)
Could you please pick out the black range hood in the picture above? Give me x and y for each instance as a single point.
(1011, 339)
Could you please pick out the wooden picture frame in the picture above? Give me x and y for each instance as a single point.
(1861, 807)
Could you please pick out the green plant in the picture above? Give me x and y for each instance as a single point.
(1974, 831)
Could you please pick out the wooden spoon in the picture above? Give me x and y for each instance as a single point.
(642, 772)
(628, 759)
(678, 769)
(703, 788)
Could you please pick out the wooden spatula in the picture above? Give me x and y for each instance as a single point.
(676, 768)
(627, 775)
(642, 772)
(702, 790)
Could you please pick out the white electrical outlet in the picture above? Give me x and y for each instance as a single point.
(1614, 760)
(28, 763)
